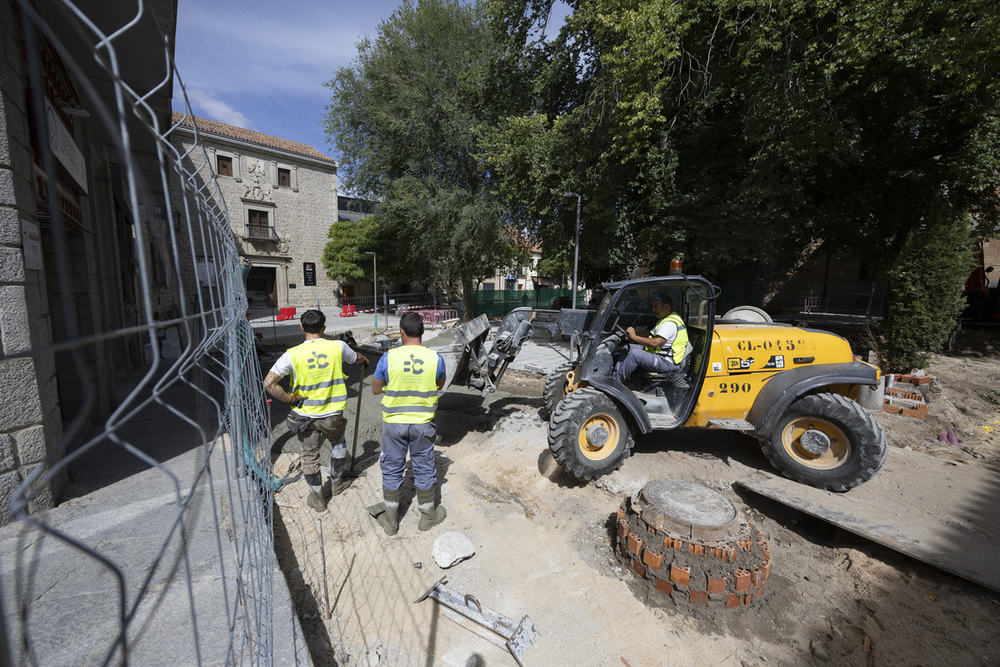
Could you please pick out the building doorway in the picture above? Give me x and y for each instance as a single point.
(262, 287)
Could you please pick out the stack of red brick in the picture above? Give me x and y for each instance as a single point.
(906, 401)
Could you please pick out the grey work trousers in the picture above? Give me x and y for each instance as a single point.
(635, 357)
(418, 440)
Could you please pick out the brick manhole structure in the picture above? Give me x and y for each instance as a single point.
(688, 544)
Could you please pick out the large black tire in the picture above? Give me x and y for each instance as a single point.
(843, 445)
(588, 436)
(557, 385)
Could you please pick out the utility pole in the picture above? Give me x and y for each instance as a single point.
(576, 245)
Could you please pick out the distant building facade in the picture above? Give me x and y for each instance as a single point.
(282, 199)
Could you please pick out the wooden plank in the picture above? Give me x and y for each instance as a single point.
(939, 512)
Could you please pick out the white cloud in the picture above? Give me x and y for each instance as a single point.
(207, 106)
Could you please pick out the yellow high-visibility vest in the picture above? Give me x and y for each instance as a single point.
(319, 376)
(411, 394)
(679, 345)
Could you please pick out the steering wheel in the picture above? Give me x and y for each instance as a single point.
(617, 337)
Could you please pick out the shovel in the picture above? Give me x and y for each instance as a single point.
(351, 472)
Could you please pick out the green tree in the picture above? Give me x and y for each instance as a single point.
(344, 256)
(925, 296)
(406, 117)
(738, 132)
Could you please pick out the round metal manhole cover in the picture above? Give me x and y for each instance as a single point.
(686, 509)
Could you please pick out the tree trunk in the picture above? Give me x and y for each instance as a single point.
(467, 294)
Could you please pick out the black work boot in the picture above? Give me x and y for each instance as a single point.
(387, 511)
(431, 514)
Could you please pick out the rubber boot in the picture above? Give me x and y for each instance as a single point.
(338, 483)
(315, 499)
(431, 514)
(387, 511)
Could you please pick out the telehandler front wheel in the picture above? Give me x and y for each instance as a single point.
(558, 384)
(827, 441)
(588, 436)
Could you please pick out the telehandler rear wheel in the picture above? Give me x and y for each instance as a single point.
(558, 384)
(588, 435)
(827, 441)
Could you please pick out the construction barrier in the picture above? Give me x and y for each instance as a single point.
(433, 319)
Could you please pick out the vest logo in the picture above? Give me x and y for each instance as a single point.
(411, 365)
(318, 361)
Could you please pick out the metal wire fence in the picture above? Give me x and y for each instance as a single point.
(142, 531)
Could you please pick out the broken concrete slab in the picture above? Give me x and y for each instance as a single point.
(939, 512)
(452, 548)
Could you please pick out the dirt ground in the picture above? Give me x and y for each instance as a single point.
(543, 545)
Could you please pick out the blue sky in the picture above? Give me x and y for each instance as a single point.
(261, 65)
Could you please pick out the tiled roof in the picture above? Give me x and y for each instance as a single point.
(216, 127)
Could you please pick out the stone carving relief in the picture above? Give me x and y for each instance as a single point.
(258, 181)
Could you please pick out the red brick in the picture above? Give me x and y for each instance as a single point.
(747, 599)
(742, 580)
(664, 586)
(652, 559)
(920, 380)
(918, 412)
(755, 579)
(905, 393)
(732, 601)
(716, 585)
(621, 514)
(624, 550)
(622, 528)
(696, 549)
(668, 543)
(639, 568)
(766, 570)
(699, 597)
(680, 575)
(634, 544)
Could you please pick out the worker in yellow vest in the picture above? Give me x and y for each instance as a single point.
(318, 398)
(663, 350)
(410, 377)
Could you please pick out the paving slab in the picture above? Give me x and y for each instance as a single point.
(939, 512)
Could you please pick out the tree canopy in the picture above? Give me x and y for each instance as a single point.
(405, 116)
(735, 133)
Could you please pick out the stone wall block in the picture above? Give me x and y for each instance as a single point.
(4, 136)
(44, 493)
(11, 265)
(8, 482)
(15, 330)
(10, 226)
(22, 406)
(7, 187)
(30, 444)
(8, 448)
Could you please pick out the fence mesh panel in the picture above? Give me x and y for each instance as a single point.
(157, 544)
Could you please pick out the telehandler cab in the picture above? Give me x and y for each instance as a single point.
(793, 388)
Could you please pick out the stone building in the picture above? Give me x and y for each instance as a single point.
(69, 220)
(282, 198)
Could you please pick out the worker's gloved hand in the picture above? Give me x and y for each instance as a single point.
(297, 401)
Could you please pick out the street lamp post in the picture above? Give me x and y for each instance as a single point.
(374, 285)
(576, 245)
